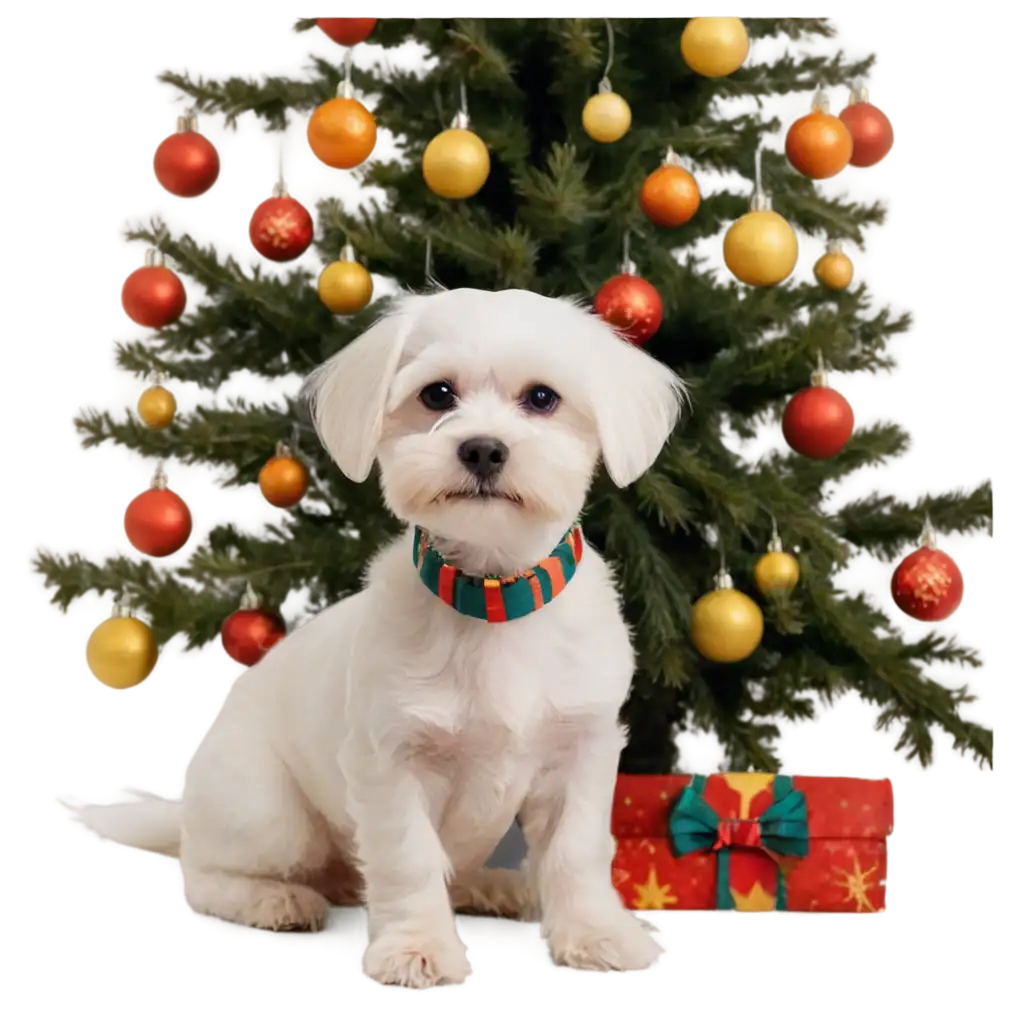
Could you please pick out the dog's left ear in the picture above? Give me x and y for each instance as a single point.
(636, 401)
(348, 393)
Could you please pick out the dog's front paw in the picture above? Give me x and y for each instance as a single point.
(416, 960)
(619, 943)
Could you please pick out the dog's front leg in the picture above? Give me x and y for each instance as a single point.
(567, 823)
(413, 941)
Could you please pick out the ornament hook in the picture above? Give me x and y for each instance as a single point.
(151, 256)
(605, 84)
(250, 599)
(760, 200)
(461, 119)
(276, 184)
(928, 537)
(819, 378)
(345, 89)
(819, 102)
(775, 544)
(159, 481)
(723, 581)
(428, 266)
(858, 92)
(180, 120)
(628, 266)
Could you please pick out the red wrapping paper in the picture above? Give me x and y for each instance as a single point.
(845, 869)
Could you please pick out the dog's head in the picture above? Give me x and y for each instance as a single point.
(488, 411)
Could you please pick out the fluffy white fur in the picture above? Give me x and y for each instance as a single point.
(380, 752)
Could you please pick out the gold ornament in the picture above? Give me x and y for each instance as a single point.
(606, 115)
(777, 572)
(456, 162)
(760, 248)
(725, 624)
(121, 651)
(156, 404)
(714, 47)
(345, 286)
(835, 269)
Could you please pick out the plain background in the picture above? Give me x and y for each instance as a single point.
(94, 930)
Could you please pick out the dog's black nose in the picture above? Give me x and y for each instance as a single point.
(483, 456)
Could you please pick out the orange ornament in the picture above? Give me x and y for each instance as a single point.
(284, 478)
(818, 144)
(669, 196)
(342, 132)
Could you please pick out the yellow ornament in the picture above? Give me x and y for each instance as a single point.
(834, 270)
(345, 286)
(776, 572)
(760, 248)
(714, 47)
(121, 651)
(606, 115)
(456, 162)
(157, 407)
(725, 624)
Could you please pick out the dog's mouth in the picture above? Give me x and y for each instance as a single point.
(482, 494)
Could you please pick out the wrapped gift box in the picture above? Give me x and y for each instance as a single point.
(751, 841)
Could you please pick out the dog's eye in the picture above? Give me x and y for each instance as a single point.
(439, 396)
(540, 398)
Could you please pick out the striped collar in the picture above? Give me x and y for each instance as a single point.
(498, 598)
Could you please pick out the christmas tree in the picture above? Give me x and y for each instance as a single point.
(552, 217)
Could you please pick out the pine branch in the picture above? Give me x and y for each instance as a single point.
(961, 511)
(557, 199)
(491, 67)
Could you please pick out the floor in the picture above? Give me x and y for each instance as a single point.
(727, 958)
(84, 934)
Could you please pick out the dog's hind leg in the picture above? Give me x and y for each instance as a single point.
(495, 892)
(250, 841)
(257, 902)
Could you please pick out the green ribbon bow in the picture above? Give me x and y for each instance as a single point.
(781, 831)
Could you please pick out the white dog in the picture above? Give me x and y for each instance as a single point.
(381, 751)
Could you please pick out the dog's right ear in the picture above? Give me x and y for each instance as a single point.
(347, 395)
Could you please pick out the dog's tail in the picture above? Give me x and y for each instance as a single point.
(149, 822)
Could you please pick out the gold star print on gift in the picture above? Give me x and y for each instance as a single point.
(858, 885)
(651, 895)
(758, 899)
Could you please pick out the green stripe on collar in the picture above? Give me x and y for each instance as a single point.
(498, 598)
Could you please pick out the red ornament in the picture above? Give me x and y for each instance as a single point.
(928, 584)
(817, 421)
(250, 632)
(153, 295)
(158, 522)
(871, 129)
(347, 31)
(186, 163)
(630, 304)
(281, 228)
